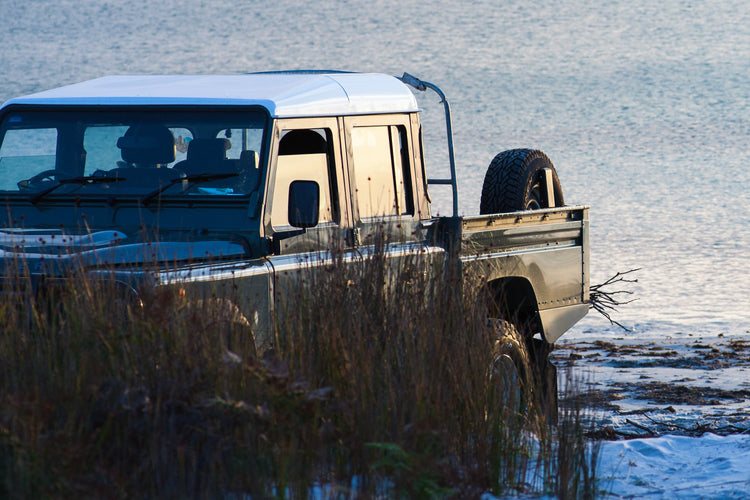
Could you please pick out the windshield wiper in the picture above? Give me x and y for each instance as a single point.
(83, 180)
(192, 180)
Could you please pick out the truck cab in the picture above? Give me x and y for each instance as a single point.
(226, 185)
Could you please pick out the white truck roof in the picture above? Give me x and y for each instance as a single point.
(282, 94)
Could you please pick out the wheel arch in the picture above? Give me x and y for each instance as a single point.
(513, 299)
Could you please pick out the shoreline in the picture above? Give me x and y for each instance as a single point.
(647, 387)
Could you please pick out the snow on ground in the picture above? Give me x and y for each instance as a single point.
(672, 408)
(671, 466)
(643, 385)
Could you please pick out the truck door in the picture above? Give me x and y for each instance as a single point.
(306, 160)
(381, 167)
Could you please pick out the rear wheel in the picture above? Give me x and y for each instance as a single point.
(524, 381)
(510, 370)
(516, 180)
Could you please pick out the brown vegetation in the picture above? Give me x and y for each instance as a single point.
(377, 386)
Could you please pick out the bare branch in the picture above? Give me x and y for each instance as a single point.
(640, 426)
(604, 301)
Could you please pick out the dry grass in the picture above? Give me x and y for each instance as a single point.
(378, 386)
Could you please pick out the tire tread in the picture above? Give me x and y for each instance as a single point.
(506, 180)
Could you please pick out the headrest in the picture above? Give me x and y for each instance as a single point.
(208, 150)
(149, 144)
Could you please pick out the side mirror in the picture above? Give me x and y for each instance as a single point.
(304, 203)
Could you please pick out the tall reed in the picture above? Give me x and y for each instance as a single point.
(404, 342)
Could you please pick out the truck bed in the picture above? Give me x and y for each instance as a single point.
(547, 248)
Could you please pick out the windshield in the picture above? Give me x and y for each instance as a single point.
(149, 153)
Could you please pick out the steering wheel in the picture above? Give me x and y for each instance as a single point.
(41, 177)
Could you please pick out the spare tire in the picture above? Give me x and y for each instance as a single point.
(515, 180)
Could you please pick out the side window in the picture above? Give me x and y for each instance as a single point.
(25, 152)
(402, 171)
(305, 155)
(381, 171)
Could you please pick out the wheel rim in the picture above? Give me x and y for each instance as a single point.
(535, 197)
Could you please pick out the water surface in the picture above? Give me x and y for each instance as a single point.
(642, 106)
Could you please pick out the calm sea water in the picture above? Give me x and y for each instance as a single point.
(643, 107)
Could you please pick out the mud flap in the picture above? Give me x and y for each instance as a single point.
(546, 379)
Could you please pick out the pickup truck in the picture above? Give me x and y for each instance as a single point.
(234, 181)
